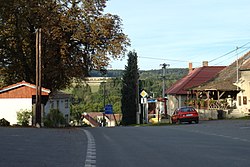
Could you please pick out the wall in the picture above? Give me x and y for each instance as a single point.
(243, 97)
(175, 102)
(61, 104)
(10, 107)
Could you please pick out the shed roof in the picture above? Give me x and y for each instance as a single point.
(60, 95)
(194, 78)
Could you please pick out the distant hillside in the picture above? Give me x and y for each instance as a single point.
(144, 73)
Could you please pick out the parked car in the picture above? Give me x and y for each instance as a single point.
(185, 114)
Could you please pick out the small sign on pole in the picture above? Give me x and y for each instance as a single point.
(108, 109)
(143, 93)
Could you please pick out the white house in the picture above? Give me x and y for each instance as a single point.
(61, 101)
(243, 97)
(15, 98)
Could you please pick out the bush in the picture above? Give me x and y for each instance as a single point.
(54, 119)
(4, 122)
(23, 117)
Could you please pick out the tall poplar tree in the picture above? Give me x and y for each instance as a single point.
(77, 36)
(130, 90)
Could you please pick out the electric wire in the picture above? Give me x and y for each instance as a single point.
(229, 52)
(185, 61)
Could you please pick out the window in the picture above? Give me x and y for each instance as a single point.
(239, 98)
(244, 100)
(66, 103)
(67, 117)
(57, 104)
(51, 104)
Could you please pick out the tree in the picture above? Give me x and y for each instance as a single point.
(54, 119)
(23, 117)
(76, 37)
(129, 90)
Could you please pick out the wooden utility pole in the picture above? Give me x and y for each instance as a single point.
(38, 76)
(164, 65)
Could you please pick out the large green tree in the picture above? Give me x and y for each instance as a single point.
(77, 36)
(130, 90)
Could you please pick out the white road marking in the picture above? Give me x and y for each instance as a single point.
(90, 160)
(215, 134)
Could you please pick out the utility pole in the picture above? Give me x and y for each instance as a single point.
(38, 76)
(164, 65)
(237, 67)
(103, 71)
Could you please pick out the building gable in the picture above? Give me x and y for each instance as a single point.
(21, 90)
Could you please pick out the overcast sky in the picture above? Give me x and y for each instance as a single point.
(177, 32)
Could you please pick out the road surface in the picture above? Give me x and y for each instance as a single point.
(223, 143)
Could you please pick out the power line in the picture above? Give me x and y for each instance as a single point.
(185, 61)
(143, 57)
(228, 52)
(234, 55)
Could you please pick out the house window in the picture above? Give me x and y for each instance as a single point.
(244, 100)
(239, 100)
(67, 117)
(57, 104)
(66, 103)
(51, 104)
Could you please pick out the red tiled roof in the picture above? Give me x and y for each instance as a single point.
(226, 78)
(19, 84)
(194, 78)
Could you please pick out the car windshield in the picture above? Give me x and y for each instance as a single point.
(186, 109)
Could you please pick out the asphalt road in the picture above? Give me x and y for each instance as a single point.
(223, 143)
(32, 147)
(208, 144)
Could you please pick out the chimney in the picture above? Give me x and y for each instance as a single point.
(190, 66)
(205, 63)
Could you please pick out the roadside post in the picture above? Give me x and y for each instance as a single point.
(144, 95)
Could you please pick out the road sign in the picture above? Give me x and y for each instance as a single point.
(108, 109)
(143, 93)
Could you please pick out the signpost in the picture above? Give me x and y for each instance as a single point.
(144, 94)
(108, 109)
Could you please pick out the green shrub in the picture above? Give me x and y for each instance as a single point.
(4, 122)
(54, 119)
(23, 117)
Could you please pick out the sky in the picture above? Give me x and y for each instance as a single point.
(177, 32)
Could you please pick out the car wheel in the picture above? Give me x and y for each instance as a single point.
(197, 121)
(189, 122)
(179, 121)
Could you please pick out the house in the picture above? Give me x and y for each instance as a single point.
(21, 96)
(229, 91)
(61, 101)
(243, 97)
(178, 94)
(95, 119)
(17, 97)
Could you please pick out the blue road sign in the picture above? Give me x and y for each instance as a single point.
(108, 109)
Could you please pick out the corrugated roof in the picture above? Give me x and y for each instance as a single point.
(226, 78)
(194, 78)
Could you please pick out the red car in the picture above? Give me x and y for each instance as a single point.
(185, 114)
